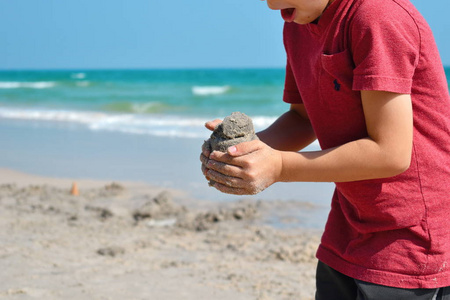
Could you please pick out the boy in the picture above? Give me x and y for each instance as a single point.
(364, 77)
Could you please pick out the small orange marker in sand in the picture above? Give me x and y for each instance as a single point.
(74, 190)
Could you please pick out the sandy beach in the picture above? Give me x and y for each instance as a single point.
(129, 240)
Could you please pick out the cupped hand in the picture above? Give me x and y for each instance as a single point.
(204, 156)
(246, 169)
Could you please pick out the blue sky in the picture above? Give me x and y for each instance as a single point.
(79, 34)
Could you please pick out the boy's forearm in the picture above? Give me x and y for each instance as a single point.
(290, 132)
(386, 151)
(358, 160)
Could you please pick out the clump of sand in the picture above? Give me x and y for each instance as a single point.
(234, 129)
(205, 220)
(158, 208)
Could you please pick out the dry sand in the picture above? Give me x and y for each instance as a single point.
(133, 241)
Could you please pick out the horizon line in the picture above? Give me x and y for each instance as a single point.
(141, 69)
(149, 69)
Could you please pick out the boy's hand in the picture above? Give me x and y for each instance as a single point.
(211, 125)
(204, 156)
(246, 169)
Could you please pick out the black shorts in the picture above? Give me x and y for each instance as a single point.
(332, 285)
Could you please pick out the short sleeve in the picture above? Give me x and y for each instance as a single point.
(385, 43)
(291, 94)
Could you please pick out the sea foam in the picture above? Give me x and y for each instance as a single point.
(157, 125)
(209, 90)
(149, 124)
(25, 84)
(78, 75)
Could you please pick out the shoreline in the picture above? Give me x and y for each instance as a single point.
(48, 150)
(130, 240)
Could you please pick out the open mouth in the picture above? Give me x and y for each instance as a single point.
(288, 14)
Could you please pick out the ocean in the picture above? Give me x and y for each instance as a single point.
(140, 125)
(171, 103)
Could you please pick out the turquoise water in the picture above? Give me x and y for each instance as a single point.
(154, 102)
(447, 74)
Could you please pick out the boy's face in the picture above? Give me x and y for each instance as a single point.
(299, 11)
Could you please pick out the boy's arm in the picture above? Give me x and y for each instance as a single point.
(385, 152)
(290, 132)
(251, 167)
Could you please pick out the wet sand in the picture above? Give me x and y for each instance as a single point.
(128, 240)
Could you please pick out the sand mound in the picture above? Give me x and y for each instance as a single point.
(104, 241)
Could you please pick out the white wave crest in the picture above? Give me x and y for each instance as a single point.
(261, 123)
(156, 125)
(51, 115)
(209, 90)
(24, 84)
(78, 75)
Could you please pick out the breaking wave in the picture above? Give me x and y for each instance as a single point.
(27, 85)
(156, 125)
(209, 90)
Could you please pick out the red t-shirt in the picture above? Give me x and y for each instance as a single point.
(393, 231)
